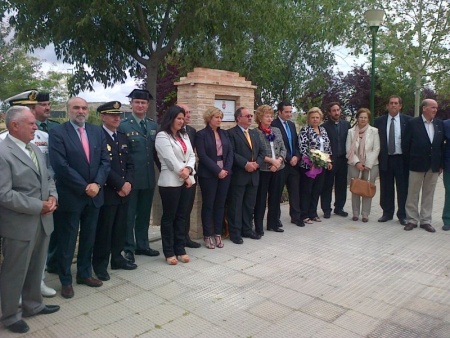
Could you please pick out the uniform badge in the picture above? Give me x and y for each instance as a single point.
(108, 147)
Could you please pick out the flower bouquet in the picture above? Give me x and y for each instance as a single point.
(316, 160)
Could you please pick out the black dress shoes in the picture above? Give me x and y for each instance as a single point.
(192, 244)
(123, 264)
(428, 227)
(90, 281)
(129, 256)
(67, 291)
(276, 229)
(147, 252)
(18, 327)
(104, 276)
(252, 235)
(280, 225)
(385, 218)
(48, 309)
(410, 226)
(341, 213)
(299, 223)
(326, 214)
(237, 240)
(261, 233)
(403, 221)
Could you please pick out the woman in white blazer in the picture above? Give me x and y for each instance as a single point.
(177, 159)
(363, 147)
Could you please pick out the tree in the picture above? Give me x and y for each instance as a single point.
(20, 71)
(281, 45)
(417, 40)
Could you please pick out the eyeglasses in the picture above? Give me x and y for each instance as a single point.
(249, 116)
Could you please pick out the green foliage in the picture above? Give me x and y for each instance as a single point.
(415, 45)
(20, 71)
(282, 46)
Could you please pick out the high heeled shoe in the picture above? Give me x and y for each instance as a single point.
(209, 242)
(184, 258)
(172, 260)
(218, 240)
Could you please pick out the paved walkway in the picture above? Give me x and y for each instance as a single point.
(337, 278)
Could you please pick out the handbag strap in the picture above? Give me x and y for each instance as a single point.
(360, 175)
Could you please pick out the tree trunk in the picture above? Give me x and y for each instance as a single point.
(418, 87)
(152, 75)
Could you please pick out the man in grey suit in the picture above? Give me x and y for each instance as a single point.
(27, 200)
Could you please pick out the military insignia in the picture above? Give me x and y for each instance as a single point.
(108, 147)
(152, 132)
(32, 96)
(124, 146)
(116, 105)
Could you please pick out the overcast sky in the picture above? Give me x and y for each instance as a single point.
(120, 91)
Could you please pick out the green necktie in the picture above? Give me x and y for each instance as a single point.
(33, 156)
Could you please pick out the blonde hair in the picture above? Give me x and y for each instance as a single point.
(261, 111)
(314, 110)
(210, 112)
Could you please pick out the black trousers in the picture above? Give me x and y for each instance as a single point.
(110, 236)
(269, 192)
(242, 199)
(191, 198)
(214, 195)
(291, 179)
(175, 203)
(396, 176)
(336, 177)
(310, 193)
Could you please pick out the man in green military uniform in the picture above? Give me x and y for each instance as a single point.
(42, 111)
(141, 132)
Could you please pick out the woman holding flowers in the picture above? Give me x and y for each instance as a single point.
(315, 151)
(363, 147)
(271, 172)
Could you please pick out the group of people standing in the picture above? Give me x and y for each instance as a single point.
(99, 182)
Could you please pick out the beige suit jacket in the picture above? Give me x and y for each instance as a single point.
(372, 147)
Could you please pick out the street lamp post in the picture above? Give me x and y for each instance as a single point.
(374, 17)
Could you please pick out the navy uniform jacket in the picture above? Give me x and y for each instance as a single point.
(142, 150)
(122, 168)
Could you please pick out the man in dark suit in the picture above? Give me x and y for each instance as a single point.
(393, 167)
(191, 133)
(422, 146)
(248, 156)
(337, 129)
(81, 164)
(112, 220)
(291, 176)
(27, 200)
(141, 132)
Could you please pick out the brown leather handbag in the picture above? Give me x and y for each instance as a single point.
(363, 188)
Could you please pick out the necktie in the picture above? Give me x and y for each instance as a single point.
(391, 144)
(143, 127)
(247, 136)
(114, 136)
(84, 142)
(33, 156)
(289, 135)
(44, 127)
